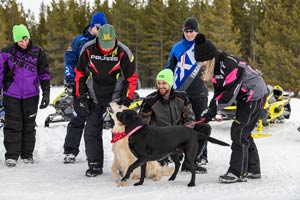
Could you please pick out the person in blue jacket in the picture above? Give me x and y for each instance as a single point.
(188, 74)
(76, 125)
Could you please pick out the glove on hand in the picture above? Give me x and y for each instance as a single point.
(85, 103)
(45, 100)
(123, 101)
(207, 115)
(70, 89)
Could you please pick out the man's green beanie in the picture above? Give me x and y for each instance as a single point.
(19, 32)
(166, 75)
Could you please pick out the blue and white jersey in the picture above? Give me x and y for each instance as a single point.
(187, 72)
(183, 52)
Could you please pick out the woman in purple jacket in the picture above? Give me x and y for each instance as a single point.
(23, 67)
(234, 80)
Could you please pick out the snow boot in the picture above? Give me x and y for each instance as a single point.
(10, 162)
(198, 169)
(28, 161)
(251, 175)
(231, 178)
(92, 172)
(69, 158)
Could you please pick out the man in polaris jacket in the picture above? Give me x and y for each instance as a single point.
(105, 72)
(23, 68)
(76, 125)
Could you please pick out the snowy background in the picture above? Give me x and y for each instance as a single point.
(49, 178)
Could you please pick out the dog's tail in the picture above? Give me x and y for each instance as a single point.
(213, 140)
(216, 141)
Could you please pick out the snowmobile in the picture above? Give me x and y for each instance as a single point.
(64, 110)
(276, 109)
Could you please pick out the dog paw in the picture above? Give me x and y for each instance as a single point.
(117, 180)
(191, 184)
(138, 183)
(156, 178)
(123, 183)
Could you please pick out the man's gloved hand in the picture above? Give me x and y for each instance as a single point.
(85, 103)
(123, 101)
(207, 115)
(45, 100)
(70, 89)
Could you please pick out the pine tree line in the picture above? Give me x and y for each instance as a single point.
(266, 33)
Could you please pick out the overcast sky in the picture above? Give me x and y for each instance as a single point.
(34, 5)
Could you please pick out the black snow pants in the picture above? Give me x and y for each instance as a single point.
(75, 130)
(199, 104)
(93, 137)
(244, 156)
(19, 130)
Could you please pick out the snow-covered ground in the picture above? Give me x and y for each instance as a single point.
(49, 178)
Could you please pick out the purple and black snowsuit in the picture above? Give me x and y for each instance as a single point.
(235, 80)
(22, 71)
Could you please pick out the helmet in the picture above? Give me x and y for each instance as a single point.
(278, 92)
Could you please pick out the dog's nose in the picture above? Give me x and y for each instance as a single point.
(119, 116)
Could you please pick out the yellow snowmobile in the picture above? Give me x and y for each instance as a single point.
(276, 109)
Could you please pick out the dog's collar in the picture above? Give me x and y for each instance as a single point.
(134, 130)
(117, 136)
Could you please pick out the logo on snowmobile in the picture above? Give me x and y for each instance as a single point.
(104, 58)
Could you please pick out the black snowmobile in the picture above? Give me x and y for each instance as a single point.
(64, 111)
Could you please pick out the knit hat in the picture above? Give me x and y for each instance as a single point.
(107, 36)
(19, 32)
(190, 23)
(98, 19)
(166, 75)
(204, 49)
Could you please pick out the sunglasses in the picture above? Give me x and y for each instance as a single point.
(188, 31)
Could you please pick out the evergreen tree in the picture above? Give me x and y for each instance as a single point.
(63, 27)
(4, 40)
(247, 15)
(278, 50)
(151, 42)
(220, 27)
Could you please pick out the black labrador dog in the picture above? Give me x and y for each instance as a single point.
(150, 143)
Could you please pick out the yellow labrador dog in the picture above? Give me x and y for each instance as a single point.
(123, 157)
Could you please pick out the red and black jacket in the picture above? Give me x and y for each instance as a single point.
(105, 76)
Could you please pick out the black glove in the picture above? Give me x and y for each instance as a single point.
(70, 89)
(123, 101)
(45, 100)
(207, 115)
(85, 103)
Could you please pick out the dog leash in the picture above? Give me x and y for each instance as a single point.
(218, 118)
(134, 130)
(197, 122)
